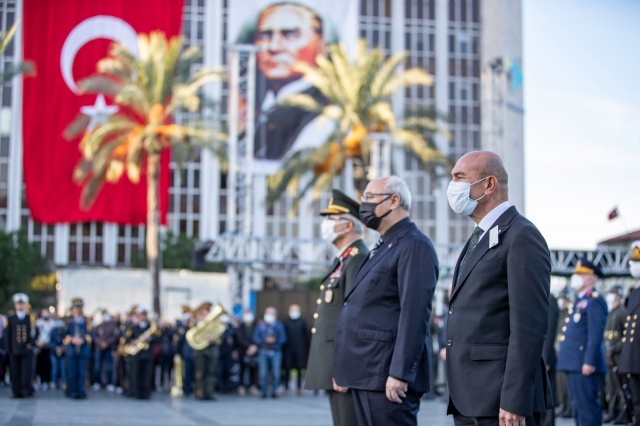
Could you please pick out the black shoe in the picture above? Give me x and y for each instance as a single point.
(274, 396)
(609, 417)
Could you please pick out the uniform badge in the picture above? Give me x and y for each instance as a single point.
(582, 304)
(328, 296)
(353, 251)
(576, 317)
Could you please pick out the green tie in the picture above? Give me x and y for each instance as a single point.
(473, 242)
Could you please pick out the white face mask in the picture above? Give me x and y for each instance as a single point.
(611, 299)
(269, 318)
(294, 315)
(248, 318)
(634, 269)
(576, 282)
(458, 194)
(327, 229)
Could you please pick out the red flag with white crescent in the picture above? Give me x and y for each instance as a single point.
(66, 39)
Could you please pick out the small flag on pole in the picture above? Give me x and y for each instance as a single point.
(613, 213)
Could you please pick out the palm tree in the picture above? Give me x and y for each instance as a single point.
(358, 94)
(147, 90)
(10, 70)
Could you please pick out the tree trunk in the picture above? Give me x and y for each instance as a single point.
(153, 240)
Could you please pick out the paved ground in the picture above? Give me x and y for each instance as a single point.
(102, 408)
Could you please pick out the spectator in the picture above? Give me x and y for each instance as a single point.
(269, 336)
(297, 347)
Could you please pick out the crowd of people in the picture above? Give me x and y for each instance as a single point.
(513, 354)
(129, 354)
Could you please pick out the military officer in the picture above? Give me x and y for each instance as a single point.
(629, 363)
(77, 339)
(562, 396)
(19, 346)
(342, 227)
(613, 345)
(581, 350)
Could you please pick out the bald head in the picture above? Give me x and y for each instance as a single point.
(485, 163)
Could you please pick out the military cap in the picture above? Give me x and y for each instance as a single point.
(20, 298)
(340, 203)
(186, 309)
(77, 302)
(635, 251)
(617, 289)
(585, 266)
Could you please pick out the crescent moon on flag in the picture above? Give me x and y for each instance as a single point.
(101, 26)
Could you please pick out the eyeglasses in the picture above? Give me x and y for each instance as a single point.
(370, 195)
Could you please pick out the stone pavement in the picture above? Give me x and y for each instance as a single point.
(102, 408)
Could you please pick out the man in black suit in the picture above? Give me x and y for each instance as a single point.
(383, 346)
(19, 343)
(499, 305)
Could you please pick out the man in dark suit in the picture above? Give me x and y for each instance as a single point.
(19, 343)
(629, 363)
(342, 228)
(498, 312)
(383, 346)
(582, 345)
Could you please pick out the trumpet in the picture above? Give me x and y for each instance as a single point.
(142, 342)
(207, 330)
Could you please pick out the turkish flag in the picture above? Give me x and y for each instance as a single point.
(66, 38)
(613, 213)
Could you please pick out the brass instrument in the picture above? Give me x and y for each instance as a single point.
(176, 389)
(142, 342)
(207, 330)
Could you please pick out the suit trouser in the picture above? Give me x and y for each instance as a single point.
(613, 390)
(342, 410)
(142, 368)
(20, 368)
(204, 364)
(374, 409)
(585, 401)
(549, 418)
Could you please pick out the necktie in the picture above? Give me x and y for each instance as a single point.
(376, 247)
(473, 242)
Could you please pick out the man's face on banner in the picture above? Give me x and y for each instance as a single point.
(287, 34)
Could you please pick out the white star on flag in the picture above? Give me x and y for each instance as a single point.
(98, 112)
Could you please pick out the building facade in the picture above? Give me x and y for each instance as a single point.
(456, 41)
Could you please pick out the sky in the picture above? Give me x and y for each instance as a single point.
(582, 118)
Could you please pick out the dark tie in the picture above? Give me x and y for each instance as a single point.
(376, 247)
(473, 242)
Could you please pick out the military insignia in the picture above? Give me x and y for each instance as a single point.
(353, 251)
(595, 294)
(576, 317)
(328, 296)
(582, 304)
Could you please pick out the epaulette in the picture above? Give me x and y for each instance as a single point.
(595, 294)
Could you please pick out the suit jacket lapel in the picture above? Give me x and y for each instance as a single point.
(482, 248)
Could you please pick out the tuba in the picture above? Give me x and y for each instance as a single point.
(142, 342)
(210, 328)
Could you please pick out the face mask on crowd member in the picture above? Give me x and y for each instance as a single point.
(294, 314)
(610, 298)
(459, 196)
(328, 229)
(269, 318)
(368, 212)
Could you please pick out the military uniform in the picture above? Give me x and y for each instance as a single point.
(141, 365)
(77, 355)
(630, 353)
(335, 285)
(562, 396)
(204, 365)
(613, 345)
(19, 345)
(582, 343)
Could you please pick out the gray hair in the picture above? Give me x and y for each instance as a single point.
(358, 228)
(395, 185)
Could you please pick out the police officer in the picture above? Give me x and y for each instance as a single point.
(613, 345)
(77, 339)
(629, 363)
(19, 345)
(342, 228)
(581, 350)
